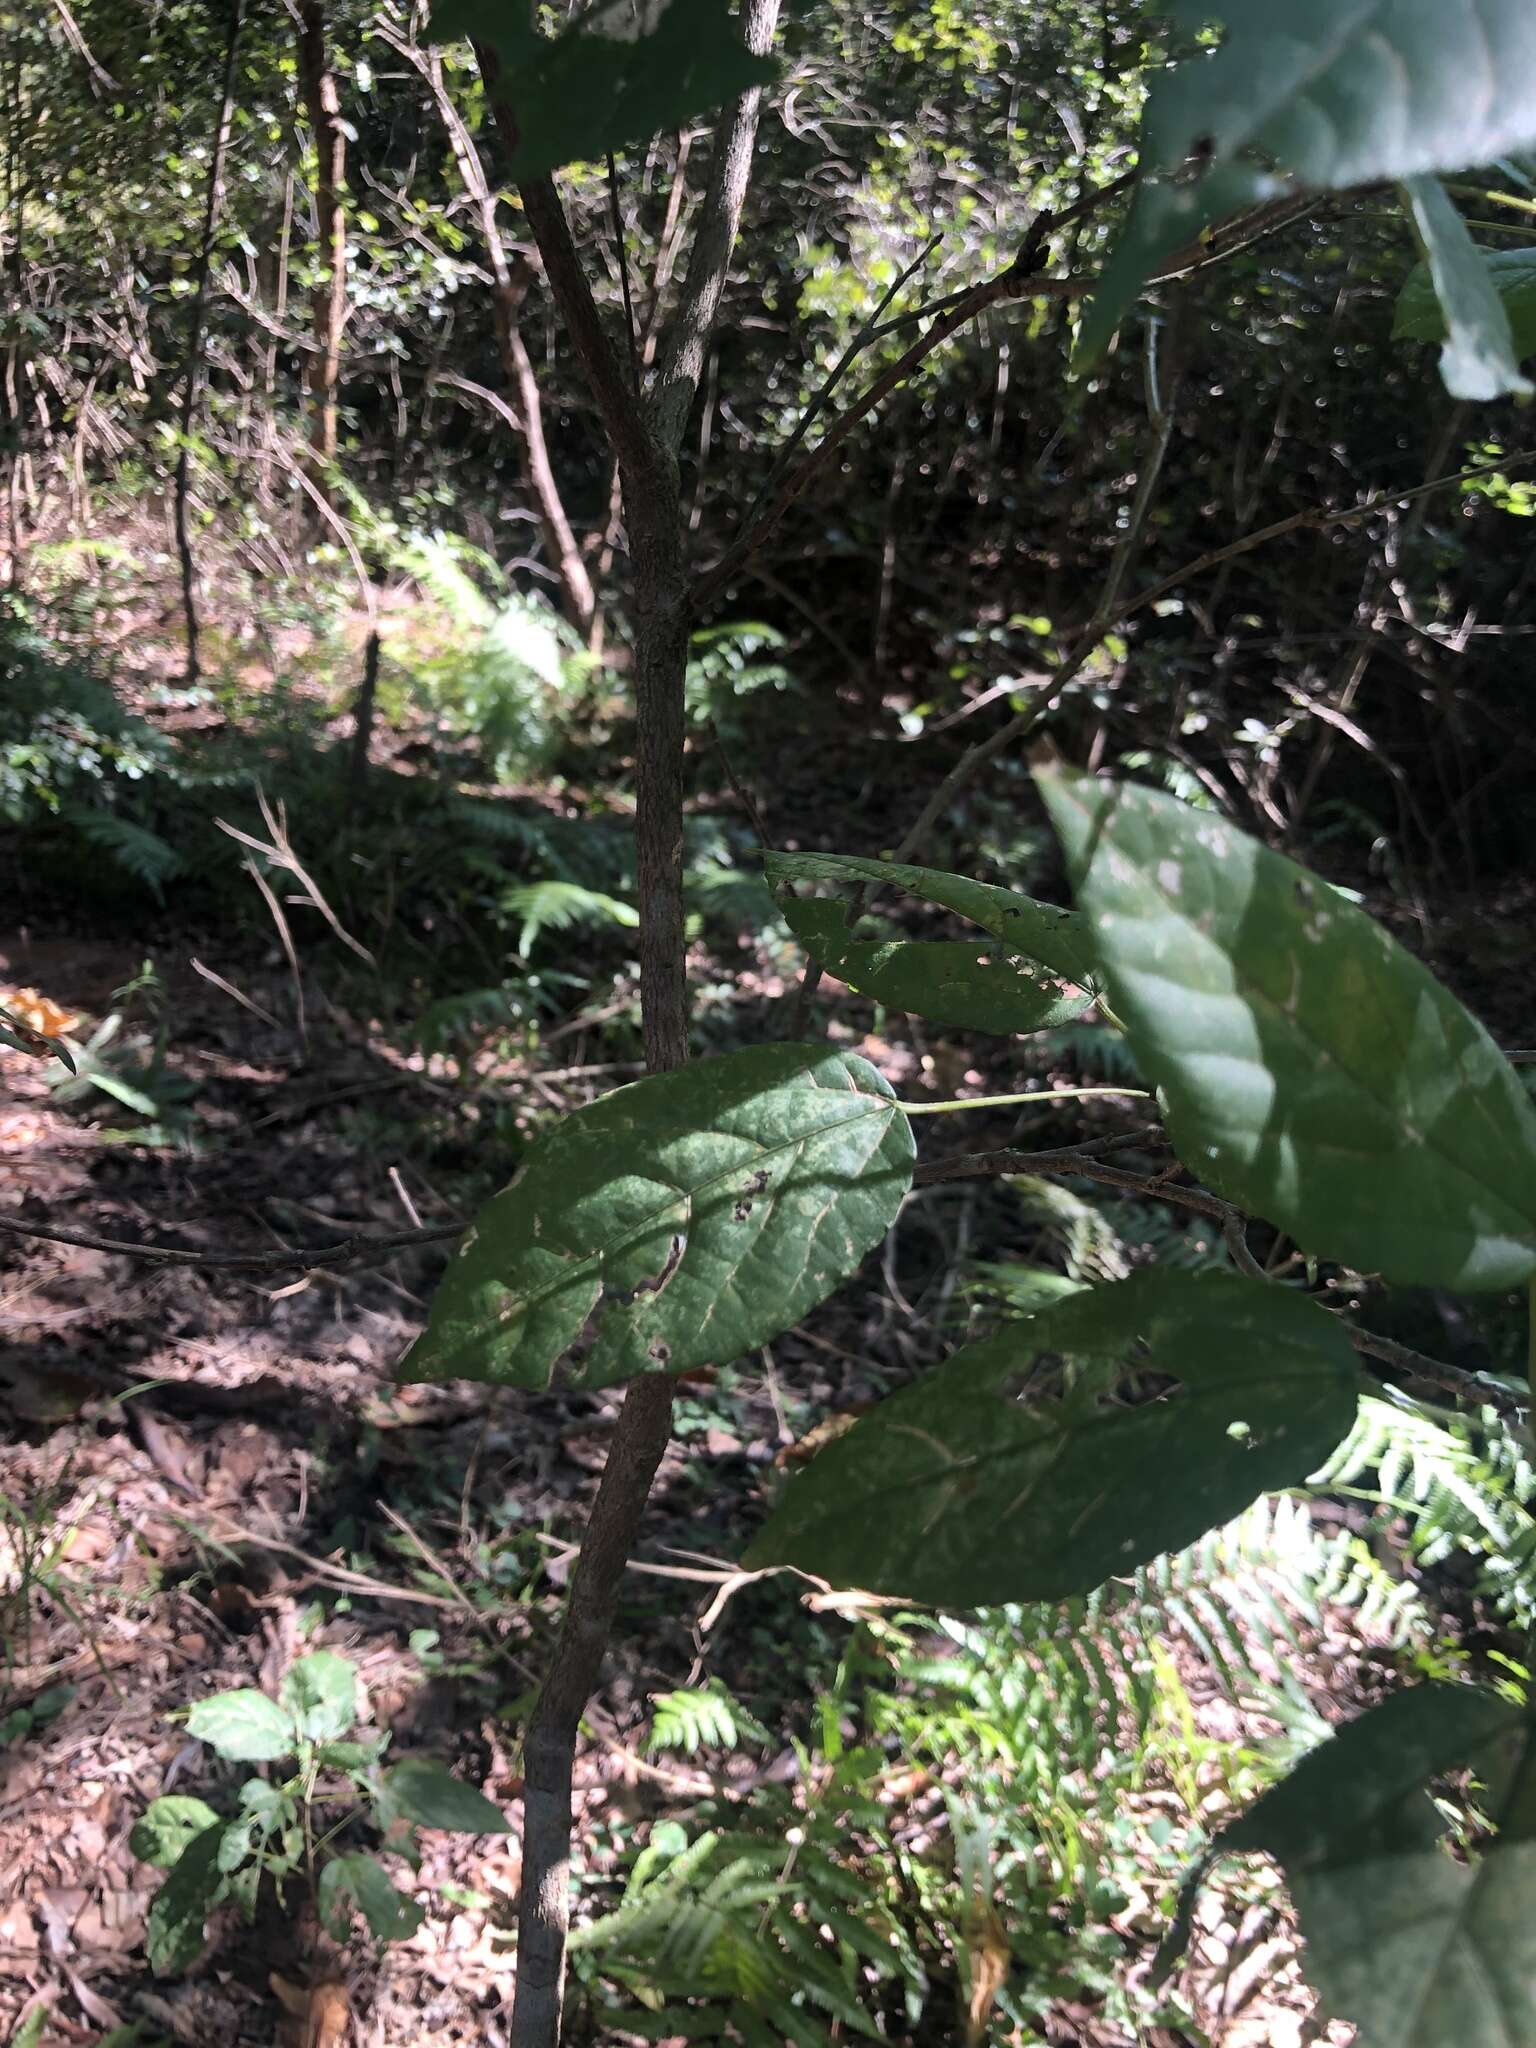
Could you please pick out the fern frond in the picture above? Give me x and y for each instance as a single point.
(707, 1718)
(143, 854)
(1071, 1228)
(561, 906)
(458, 1020)
(733, 899)
(1457, 1486)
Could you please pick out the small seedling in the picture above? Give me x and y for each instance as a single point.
(324, 1790)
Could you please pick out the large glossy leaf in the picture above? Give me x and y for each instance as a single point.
(1312, 1070)
(358, 1881)
(617, 76)
(244, 1726)
(1059, 939)
(1035, 975)
(167, 1825)
(1477, 357)
(1511, 272)
(1317, 95)
(423, 1790)
(1120, 1423)
(676, 1223)
(1417, 1950)
(180, 1908)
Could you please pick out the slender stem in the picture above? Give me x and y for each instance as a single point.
(1492, 198)
(818, 405)
(616, 212)
(1008, 1101)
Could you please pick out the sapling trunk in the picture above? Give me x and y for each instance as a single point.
(645, 430)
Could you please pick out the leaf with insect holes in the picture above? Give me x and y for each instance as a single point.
(1059, 939)
(676, 1223)
(180, 1909)
(349, 1883)
(320, 1693)
(1477, 359)
(246, 1727)
(1316, 95)
(1004, 985)
(427, 1792)
(1416, 1949)
(166, 1826)
(1120, 1423)
(1313, 1071)
(619, 74)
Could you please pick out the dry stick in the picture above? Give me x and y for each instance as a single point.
(509, 285)
(285, 936)
(196, 321)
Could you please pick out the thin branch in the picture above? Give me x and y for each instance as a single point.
(617, 213)
(685, 341)
(1452, 1379)
(1315, 516)
(1020, 280)
(834, 377)
(600, 362)
(361, 1249)
(1023, 723)
(1014, 282)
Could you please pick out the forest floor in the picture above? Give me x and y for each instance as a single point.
(206, 1472)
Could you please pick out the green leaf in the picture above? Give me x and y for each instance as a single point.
(676, 1223)
(349, 1756)
(358, 1881)
(968, 985)
(1417, 1950)
(30, 2031)
(616, 77)
(181, 1906)
(1313, 1072)
(1059, 939)
(320, 1694)
(166, 1826)
(1318, 95)
(246, 1727)
(1477, 360)
(1035, 1465)
(1512, 273)
(263, 1802)
(426, 1791)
